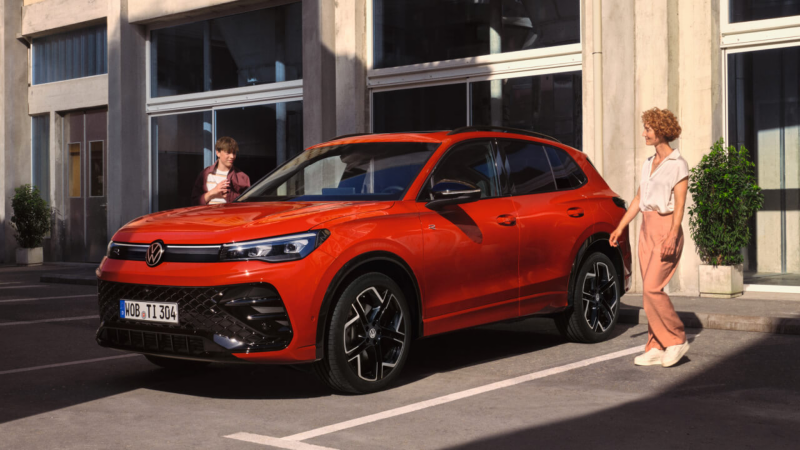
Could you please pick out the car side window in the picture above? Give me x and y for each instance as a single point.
(528, 169)
(471, 162)
(566, 171)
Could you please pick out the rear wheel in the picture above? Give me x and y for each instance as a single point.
(176, 364)
(368, 336)
(595, 302)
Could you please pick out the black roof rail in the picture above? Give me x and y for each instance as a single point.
(501, 130)
(367, 134)
(348, 135)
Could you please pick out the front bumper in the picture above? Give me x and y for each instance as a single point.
(215, 322)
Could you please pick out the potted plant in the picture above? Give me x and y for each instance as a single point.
(31, 222)
(725, 195)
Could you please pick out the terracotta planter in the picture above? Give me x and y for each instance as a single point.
(721, 281)
(29, 256)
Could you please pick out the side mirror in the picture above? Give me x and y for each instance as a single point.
(453, 192)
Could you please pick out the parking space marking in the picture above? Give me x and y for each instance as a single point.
(45, 298)
(276, 442)
(296, 438)
(63, 319)
(71, 363)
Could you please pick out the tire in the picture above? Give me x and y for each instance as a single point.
(595, 306)
(176, 364)
(367, 338)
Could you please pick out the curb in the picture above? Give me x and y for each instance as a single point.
(713, 321)
(69, 279)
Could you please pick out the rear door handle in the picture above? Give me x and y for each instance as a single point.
(575, 212)
(507, 220)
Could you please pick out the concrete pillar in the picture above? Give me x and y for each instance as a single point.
(15, 127)
(319, 71)
(700, 108)
(352, 97)
(128, 160)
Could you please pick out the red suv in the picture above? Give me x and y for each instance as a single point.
(345, 253)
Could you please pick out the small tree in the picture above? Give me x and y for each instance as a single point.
(725, 195)
(31, 219)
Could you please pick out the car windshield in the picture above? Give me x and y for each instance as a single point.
(365, 171)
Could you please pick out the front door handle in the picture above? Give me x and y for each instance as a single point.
(575, 212)
(507, 220)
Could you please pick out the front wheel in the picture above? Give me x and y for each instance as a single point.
(595, 302)
(368, 337)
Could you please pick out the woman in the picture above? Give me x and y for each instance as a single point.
(661, 198)
(221, 182)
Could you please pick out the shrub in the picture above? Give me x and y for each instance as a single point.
(31, 219)
(725, 195)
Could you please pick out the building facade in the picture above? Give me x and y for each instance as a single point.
(112, 107)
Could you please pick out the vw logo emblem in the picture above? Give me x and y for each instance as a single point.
(154, 254)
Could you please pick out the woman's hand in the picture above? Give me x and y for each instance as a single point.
(613, 240)
(669, 245)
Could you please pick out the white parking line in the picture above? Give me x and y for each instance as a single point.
(71, 363)
(276, 442)
(63, 319)
(296, 438)
(45, 298)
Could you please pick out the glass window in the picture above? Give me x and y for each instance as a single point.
(565, 170)
(96, 168)
(248, 49)
(40, 154)
(471, 162)
(74, 169)
(74, 54)
(182, 146)
(453, 29)
(764, 116)
(549, 104)
(368, 171)
(746, 10)
(420, 109)
(528, 169)
(267, 135)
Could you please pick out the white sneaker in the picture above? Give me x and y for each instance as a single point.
(674, 353)
(649, 358)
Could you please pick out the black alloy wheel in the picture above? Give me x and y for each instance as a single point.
(176, 364)
(595, 302)
(367, 340)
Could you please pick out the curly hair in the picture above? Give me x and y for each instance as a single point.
(663, 123)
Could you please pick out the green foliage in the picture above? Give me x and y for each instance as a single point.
(31, 218)
(725, 195)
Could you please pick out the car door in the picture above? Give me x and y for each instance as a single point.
(470, 249)
(551, 218)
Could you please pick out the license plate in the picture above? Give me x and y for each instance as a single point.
(148, 311)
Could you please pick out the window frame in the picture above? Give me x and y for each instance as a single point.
(508, 174)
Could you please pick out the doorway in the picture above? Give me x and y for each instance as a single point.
(85, 136)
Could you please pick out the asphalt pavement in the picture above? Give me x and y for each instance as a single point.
(514, 385)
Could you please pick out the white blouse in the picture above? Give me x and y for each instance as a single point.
(656, 187)
(212, 181)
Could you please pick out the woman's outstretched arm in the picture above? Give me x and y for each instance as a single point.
(633, 210)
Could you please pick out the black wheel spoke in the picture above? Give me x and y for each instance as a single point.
(362, 314)
(392, 335)
(605, 287)
(360, 347)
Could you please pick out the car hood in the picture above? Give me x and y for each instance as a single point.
(236, 222)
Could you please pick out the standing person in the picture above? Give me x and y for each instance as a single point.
(661, 199)
(220, 182)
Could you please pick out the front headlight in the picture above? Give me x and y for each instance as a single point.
(278, 249)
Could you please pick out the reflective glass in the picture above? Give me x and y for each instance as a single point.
(764, 116)
(472, 163)
(746, 10)
(528, 168)
(420, 109)
(565, 170)
(74, 54)
(369, 171)
(96, 168)
(548, 104)
(247, 49)
(418, 31)
(40, 154)
(74, 150)
(267, 135)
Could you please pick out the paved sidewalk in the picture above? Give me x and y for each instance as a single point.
(755, 311)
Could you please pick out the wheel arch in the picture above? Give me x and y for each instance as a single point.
(597, 242)
(383, 262)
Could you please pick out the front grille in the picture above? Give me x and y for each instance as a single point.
(201, 311)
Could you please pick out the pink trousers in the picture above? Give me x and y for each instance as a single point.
(664, 326)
